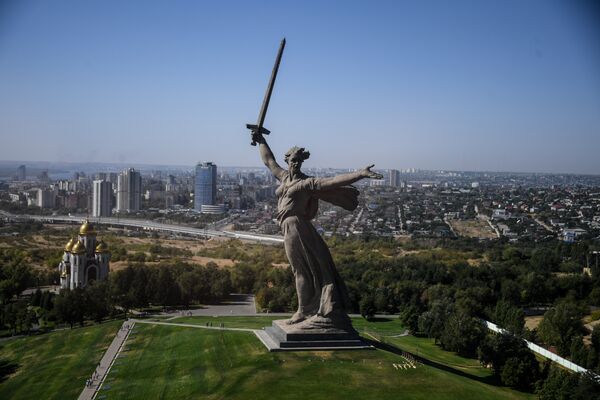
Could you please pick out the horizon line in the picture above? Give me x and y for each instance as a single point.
(134, 164)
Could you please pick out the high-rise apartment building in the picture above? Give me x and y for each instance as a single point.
(101, 198)
(206, 185)
(46, 198)
(394, 177)
(129, 190)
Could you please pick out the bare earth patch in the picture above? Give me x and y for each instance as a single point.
(474, 228)
(533, 321)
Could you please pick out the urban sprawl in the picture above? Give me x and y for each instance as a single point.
(409, 202)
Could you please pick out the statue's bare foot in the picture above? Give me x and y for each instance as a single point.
(297, 317)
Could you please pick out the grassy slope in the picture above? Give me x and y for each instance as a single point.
(55, 365)
(179, 363)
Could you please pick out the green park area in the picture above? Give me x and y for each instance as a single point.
(53, 365)
(174, 362)
(178, 362)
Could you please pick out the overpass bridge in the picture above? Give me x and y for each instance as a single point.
(146, 226)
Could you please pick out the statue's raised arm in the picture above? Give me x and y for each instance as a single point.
(267, 157)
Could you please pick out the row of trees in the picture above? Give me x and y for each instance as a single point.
(133, 287)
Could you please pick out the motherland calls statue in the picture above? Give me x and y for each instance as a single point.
(321, 319)
(322, 296)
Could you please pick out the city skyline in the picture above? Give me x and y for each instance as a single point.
(467, 86)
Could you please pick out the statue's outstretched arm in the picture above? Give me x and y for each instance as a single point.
(268, 158)
(350, 178)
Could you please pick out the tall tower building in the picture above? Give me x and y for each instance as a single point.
(129, 190)
(394, 177)
(101, 199)
(21, 173)
(206, 185)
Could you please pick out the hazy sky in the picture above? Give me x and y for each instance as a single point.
(459, 85)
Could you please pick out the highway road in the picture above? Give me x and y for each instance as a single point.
(149, 226)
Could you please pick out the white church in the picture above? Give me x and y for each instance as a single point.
(84, 259)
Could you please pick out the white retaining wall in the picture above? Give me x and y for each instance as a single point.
(540, 350)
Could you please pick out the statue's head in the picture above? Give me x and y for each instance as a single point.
(295, 157)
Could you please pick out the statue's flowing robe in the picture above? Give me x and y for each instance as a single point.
(320, 288)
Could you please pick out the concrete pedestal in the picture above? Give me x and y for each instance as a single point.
(283, 337)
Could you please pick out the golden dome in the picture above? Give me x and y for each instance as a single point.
(69, 245)
(101, 247)
(78, 248)
(87, 228)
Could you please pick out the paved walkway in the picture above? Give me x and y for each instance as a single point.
(235, 305)
(99, 375)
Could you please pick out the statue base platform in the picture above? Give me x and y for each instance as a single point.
(284, 337)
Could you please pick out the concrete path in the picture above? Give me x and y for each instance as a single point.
(405, 333)
(97, 379)
(235, 305)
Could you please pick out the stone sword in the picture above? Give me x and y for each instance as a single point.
(258, 129)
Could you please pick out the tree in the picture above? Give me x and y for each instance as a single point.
(9, 316)
(26, 317)
(97, 300)
(70, 306)
(167, 291)
(36, 298)
(431, 323)
(560, 324)
(46, 302)
(188, 281)
(473, 300)
(367, 306)
(559, 385)
(544, 261)
(383, 299)
(596, 339)
(509, 317)
(510, 291)
(462, 334)
(516, 372)
(512, 362)
(219, 282)
(564, 385)
(120, 288)
(578, 351)
(14, 278)
(139, 286)
(242, 278)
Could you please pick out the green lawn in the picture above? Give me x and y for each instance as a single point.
(54, 365)
(379, 327)
(426, 348)
(163, 362)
